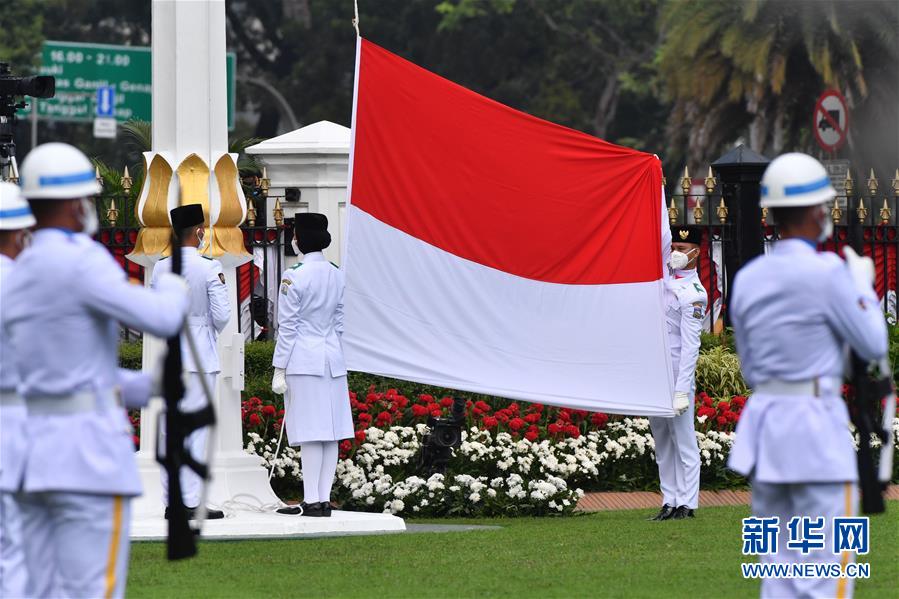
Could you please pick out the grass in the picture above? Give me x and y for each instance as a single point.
(608, 554)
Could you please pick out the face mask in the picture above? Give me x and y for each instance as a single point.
(90, 224)
(826, 225)
(679, 260)
(296, 248)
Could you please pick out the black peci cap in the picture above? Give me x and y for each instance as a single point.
(311, 231)
(184, 217)
(686, 235)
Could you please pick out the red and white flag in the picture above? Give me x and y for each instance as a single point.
(495, 252)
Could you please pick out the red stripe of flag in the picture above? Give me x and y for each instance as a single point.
(499, 187)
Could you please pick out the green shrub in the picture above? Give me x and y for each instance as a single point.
(718, 373)
(130, 355)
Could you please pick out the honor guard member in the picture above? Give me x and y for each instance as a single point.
(676, 449)
(309, 363)
(15, 219)
(209, 313)
(795, 311)
(62, 307)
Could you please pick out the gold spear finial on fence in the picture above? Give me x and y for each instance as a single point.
(127, 182)
(765, 216)
(686, 182)
(710, 182)
(251, 212)
(872, 183)
(672, 212)
(848, 185)
(264, 184)
(278, 213)
(722, 212)
(112, 213)
(697, 211)
(862, 211)
(836, 213)
(885, 213)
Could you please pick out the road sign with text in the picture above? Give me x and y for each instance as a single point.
(82, 70)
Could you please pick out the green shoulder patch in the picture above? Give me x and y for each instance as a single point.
(698, 287)
(296, 266)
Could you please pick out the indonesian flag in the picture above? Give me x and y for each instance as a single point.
(494, 252)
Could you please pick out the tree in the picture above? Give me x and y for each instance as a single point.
(755, 68)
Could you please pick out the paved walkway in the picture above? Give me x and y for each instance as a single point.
(597, 502)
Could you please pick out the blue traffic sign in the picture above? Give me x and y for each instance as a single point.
(106, 101)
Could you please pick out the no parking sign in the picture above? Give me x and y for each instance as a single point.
(831, 120)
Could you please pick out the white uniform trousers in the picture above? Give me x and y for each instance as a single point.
(677, 454)
(806, 499)
(194, 399)
(13, 574)
(76, 544)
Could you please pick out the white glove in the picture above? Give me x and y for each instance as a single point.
(861, 269)
(279, 381)
(681, 402)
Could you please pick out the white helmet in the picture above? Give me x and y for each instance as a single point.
(14, 211)
(57, 171)
(793, 180)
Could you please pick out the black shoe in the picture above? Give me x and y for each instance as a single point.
(291, 510)
(312, 510)
(665, 513)
(325, 508)
(682, 513)
(191, 511)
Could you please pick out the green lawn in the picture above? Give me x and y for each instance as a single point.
(609, 554)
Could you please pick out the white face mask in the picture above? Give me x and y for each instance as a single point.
(826, 224)
(679, 260)
(90, 223)
(296, 248)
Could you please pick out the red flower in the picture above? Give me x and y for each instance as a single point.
(723, 406)
(136, 440)
(731, 416)
(502, 416)
(360, 436)
(345, 445)
(722, 421)
(516, 424)
(436, 412)
(384, 418)
(482, 406)
(554, 429)
(532, 418)
(446, 402)
(738, 401)
(419, 410)
(565, 415)
(254, 420)
(352, 396)
(532, 434)
(538, 407)
(490, 422)
(269, 410)
(425, 398)
(362, 407)
(599, 419)
(364, 418)
(706, 400)
(706, 411)
(572, 431)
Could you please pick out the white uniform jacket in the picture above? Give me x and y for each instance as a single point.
(210, 308)
(12, 407)
(310, 318)
(794, 310)
(61, 307)
(686, 303)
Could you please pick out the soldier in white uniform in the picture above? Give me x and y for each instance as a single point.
(62, 305)
(676, 449)
(794, 312)
(309, 363)
(15, 219)
(209, 313)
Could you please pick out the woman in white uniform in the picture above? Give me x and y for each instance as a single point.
(309, 364)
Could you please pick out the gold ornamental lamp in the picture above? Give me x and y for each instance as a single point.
(672, 213)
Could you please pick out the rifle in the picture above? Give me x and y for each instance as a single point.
(870, 393)
(181, 542)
